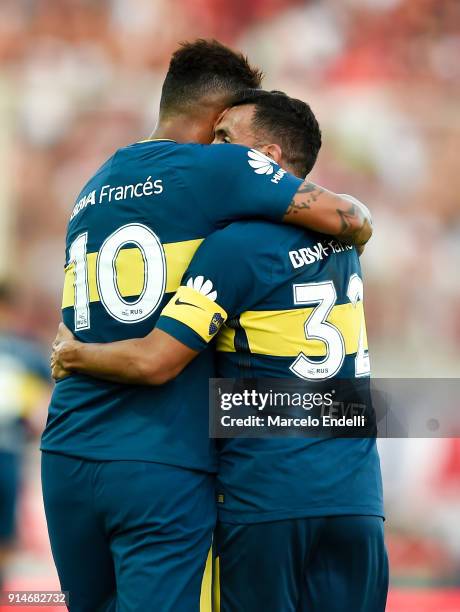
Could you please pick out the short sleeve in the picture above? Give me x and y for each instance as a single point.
(227, 276)
(234, 182)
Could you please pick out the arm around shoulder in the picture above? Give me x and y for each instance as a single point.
(153, 360)
(341, 216)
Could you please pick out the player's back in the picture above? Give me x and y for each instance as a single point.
(131, 235)
(128, 242)
(305, 314)
(295, 305)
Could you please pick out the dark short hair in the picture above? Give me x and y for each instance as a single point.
(201, 68)
(289, 122)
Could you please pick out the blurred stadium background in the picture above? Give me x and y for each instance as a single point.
(79, 78)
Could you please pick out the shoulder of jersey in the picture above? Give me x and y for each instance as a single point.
(253, 236)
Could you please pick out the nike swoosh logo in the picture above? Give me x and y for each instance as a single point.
(179, 302)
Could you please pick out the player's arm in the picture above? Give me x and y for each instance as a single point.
(152, 360)
(220, 280)
(341, 216)
(248, 185)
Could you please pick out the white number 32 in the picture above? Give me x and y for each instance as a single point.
(323, 296)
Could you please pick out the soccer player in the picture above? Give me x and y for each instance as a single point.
(300, 520)
(127, 472)
(25, 387)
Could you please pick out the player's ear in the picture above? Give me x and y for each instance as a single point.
(274, 151)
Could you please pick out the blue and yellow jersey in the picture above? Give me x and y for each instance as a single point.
(132, 233)
(286, 303)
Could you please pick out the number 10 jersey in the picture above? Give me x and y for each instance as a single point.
(132, 233)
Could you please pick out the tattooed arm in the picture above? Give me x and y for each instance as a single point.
(341, 216)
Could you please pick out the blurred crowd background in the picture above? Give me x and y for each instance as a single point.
(79, 78)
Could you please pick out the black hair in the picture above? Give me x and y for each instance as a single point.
(290, 122)
(201, 68)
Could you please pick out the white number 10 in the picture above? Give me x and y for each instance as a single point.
(106, 275)
(323, 296)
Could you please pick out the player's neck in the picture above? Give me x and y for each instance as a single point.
(180, 128)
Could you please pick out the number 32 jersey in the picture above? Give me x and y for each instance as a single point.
(132, 233)
(288, 303)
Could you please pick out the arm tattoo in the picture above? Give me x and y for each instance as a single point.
(346, 218)
(313, 191)
(353, 223)
(350, 222)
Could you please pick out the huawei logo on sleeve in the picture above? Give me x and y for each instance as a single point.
(260, 162)
(202, 286)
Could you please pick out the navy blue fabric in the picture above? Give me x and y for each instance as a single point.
(135, 532)
(203, 188)
(334, 564)
(250, 266)
(9, 485)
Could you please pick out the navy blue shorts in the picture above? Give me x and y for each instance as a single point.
(128, 535)
(9, 486)
(331, 564)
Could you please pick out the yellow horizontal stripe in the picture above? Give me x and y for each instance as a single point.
(178, 256)
(281, 332)
(68, 294)
(130, 271)
(196, 311)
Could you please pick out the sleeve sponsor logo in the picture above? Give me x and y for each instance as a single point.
(260, 162)
(265, 165)
(204, 287)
